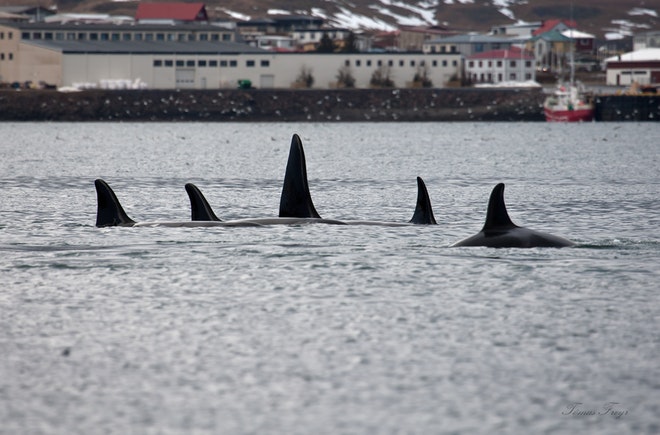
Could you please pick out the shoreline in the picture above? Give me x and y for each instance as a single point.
(275, 105)
(307, 105)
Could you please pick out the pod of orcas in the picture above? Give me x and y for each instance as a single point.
(297, 207)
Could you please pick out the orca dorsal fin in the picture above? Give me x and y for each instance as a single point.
(423, 211)
(109, 213)
(296, 201)
(200, 209)
(497, 216)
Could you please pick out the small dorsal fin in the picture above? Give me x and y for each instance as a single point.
(200, 209)
(109, 212)
(497, 216)
(423, 211)
(296, 201)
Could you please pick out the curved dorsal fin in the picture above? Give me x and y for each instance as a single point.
(109, 212)
(423, 211)
(200, 209)
(497, 216)
(296, 201)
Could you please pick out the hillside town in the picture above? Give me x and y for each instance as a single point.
(177, 46)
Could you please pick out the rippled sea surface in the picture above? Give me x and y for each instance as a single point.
(323, 329)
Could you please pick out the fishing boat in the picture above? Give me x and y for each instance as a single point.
(569, 104)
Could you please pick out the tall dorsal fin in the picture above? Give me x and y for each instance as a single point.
(497, 216)
(296, 201)
(109, 212)
(423, 211)
(200, 209)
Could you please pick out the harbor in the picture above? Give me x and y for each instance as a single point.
(308, 105)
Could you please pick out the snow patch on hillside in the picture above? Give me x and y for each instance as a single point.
(350, 20)
(236, 15)
(642, 11)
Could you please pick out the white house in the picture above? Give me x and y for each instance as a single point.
(497, 66)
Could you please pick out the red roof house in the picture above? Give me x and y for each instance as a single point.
(171, 11)
(555, 24)
(496, 66)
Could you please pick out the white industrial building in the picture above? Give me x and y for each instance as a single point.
(189, 56)
(641, 66)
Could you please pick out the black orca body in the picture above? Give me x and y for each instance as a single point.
(500, 232)
(296, 205)
(110, 213)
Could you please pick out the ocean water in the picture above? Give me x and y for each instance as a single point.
(323, 329)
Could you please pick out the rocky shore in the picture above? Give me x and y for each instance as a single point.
(275, 105)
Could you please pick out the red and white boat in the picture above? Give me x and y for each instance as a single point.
(568, 104)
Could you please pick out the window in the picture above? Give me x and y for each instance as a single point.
(481, 64)
(412, 63)
(512, 76)
(105, 36)
(191, 37)
(171, 36)
(36, 35)
(434, 63)
(48, 35)
(203, 37)
(499, 64)
(213, 63)
(149, 37)
(115, 37)
(390, 62)
(190, 63)
(265, 63)
(444, 63)
(126, 37)
(169, 63)
(181, 37)
(471, 64)
(368, 62)
(358, 62)
(454, 63)
(512, 64)
(401, 62)
(25, 35)
(59, 36)
(138, 36)
(226, 37)
(201, 63)
(249, 63)
(2, 56)
(10, 35)
(379, 63)
(158, 63)
(223, 63)
(93, 36)
(215, 37)
(347, 62)
(179, 63)
(233, 63)
(2, 35)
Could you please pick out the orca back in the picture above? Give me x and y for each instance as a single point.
(423, 214)
(200, 209)
(109, 211)
(296, 201)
